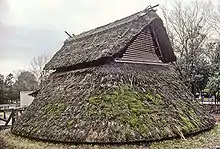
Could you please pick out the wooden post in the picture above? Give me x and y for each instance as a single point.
(13, 116)
(4, 115)
(215, 103)
(9, 118)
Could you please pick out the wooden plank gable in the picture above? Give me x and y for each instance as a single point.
(142, 50)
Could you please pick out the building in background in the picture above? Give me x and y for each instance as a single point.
(25, 98)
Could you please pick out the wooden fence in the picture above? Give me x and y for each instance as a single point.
(13, 113)
(211, 105)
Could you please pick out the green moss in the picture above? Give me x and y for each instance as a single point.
(188, 125)
(54, 109)
(126, 106)
(192, 113)
(94, 100)
(149, 96)
(196, 120)
(134, 122)
(138, 109)
(156, 99)
(70, 123)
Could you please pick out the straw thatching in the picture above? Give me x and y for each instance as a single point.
(104, 92)
(114, 103)
(110, 41)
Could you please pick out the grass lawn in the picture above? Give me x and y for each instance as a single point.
(207, 139)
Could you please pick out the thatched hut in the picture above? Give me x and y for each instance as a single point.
(114, 84)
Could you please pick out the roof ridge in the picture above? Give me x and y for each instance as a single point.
(104, 41)
(91, 32)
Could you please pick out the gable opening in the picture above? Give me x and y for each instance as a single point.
(144, 49)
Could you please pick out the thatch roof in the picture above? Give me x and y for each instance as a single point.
(113, 103)
(108, 101)
(110, 41)
(34, 93)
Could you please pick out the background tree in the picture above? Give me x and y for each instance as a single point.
(188, 26)
(37, 64)
(1, 80)
(1, 88)
(26, 81)
(214, 75)
(8, 94)
(214, 85)
(215, 56)
(9, 81)
(216, 18)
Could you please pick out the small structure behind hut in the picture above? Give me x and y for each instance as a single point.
(25, 98)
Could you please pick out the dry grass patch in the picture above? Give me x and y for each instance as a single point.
(16, 142)
(204, 140)
(207, 139)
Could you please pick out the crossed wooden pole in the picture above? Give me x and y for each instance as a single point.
(14, 113)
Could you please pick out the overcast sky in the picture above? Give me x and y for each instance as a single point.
(29, 28)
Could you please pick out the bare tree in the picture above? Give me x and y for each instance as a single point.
(189, 28)
(37, 64)
(216, 18)
(9, 80)
(1, 80)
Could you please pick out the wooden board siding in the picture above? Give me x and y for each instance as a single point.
(141, 50)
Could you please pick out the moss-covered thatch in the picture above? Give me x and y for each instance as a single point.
(113, 103)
